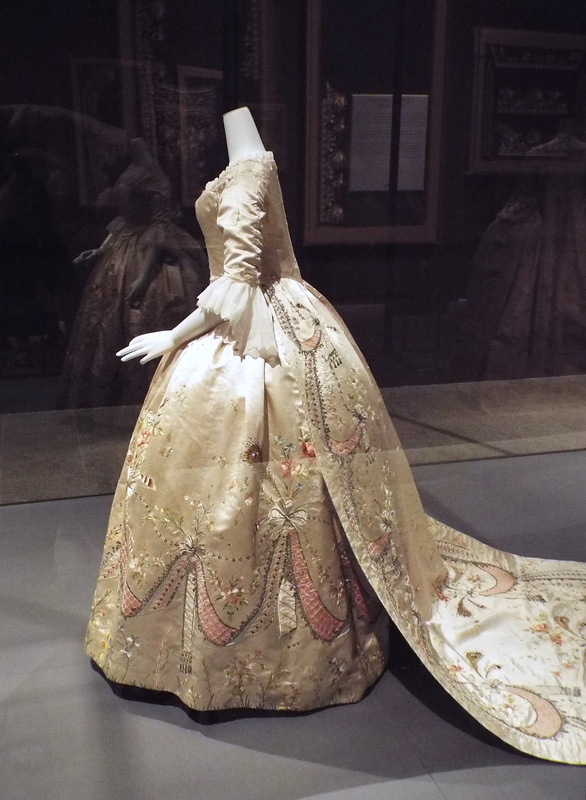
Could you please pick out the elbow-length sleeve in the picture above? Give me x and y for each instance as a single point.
(236, 296)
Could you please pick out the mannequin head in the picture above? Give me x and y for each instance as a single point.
(242, 136)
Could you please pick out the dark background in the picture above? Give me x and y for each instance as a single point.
(414, 287)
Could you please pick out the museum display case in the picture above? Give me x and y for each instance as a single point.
(430, 154)
(348, 241)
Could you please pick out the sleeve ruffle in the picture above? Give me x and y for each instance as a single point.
(245, 309)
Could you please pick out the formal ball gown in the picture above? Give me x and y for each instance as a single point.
(143, 231)
(527, 296)
(266, 523)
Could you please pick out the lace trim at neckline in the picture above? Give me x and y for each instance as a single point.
(267, 156)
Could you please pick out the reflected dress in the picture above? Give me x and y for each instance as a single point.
(527, 297)
(266, 522)
(106, 321)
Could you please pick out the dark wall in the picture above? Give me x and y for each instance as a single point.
(40, 38)
(420, 276)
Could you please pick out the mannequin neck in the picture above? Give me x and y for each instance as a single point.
(242, 136)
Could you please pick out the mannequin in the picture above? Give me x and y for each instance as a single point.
(140, 156)
(266, 514)
(243, 141)
(526, 299)
(242, 136)
(147, 276)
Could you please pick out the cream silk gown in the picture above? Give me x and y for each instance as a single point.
(266, 523)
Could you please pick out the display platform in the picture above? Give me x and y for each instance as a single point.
(64, 733)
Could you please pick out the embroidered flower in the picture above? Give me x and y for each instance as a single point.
(338, 667)
(540, 627)
(288, 468)
(232, 595)
(307, 450)
(337, 591)
(131, 645)
(144, 439)
(387, 521)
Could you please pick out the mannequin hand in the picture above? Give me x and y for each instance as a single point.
(148, 346)
(87, 255)
(136, 292)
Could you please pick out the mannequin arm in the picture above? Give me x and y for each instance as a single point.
(159, 343)
(89, 255)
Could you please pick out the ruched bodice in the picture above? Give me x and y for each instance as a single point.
(243, 221)
(247, 195)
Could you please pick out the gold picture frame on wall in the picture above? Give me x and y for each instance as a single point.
(526, 84)
(373, 147)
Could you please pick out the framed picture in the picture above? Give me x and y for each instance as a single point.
(374, 120)
(528, 89)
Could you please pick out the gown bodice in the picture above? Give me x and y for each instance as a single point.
(242, 217)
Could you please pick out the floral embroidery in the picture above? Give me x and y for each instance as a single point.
(307, 450)
(131, 646)
(232, 575)
(232, 595)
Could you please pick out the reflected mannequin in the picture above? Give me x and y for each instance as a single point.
(527, 297)
(243, 142)
(146, 273)
(266, 517)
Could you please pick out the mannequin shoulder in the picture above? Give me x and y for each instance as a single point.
(249, 177)
(254, 169)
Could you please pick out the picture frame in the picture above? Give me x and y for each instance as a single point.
(525, 84)
(328, 199)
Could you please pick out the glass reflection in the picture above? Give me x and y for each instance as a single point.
(110, 126)
(527, 296)
(146, 276)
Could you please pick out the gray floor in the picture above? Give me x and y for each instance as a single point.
(65, 735)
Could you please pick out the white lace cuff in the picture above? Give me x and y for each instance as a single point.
(245, 308)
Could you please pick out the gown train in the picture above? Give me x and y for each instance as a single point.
(266, 523)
